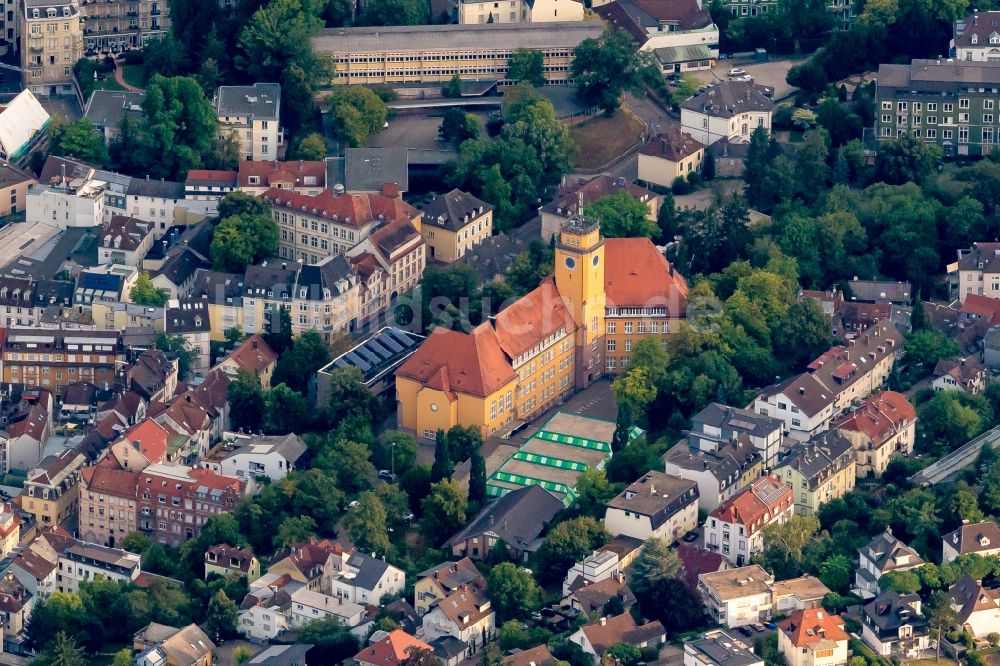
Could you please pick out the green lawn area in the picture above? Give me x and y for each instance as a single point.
(107, 83)
(600, 139)
(133, 75)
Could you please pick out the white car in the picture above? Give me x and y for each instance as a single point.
(736, 71)
(746, 78)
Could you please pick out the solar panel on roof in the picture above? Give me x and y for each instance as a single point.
(388, 343)
(366, 354)
(356, 360)
(379, 350)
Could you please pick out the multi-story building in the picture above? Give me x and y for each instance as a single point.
(719, 648)
(472, 12)
(222, 294)
(883, 554)
(813, 637)
(51, 492)
(107, 504)
(174, 501)
(977, 37)
(735, 528)
(435, 53)
(14, 185)
(55, 358)
(657, 505)
(680, 34)
(118, 25)
(892, 625)
(302, 176)
(882, 427)
(982, 538)
(669, 156)
(388, 263)
(313, 227)
(441, 581)
(224, 559)
(466, 614)
(818, 471)
(727, 110)
(190, 320)
(106, 109)
(51, 35)
(453, 223)
(737, 597)
(718, 423)
(948, 103)
(125, 240)
(24, 300)
(978, 270)
(249, 456)
(82, 562)
(721, 468)
(253, 115)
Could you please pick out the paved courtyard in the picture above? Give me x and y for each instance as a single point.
(771, 74)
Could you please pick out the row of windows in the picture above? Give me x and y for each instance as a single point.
(434, 71)
(438, 57)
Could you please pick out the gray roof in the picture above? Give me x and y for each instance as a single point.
(269, 276)
(370, 570)
(162, 189)
(658, 496)
(730, 98)
(824, 455)
(722, 649)
(884, 550)
(877, 292)
(488, 36)
(517, 518)
(333, 274)
(980, 24)
(448, 647)
(283, 655)
(733, 420)
(290, 446)
(939, 75)
(727, 463)
(889, 611)
(262, 101)
(219, 288)
(368, 169)
(381, 353)
(107, 108)
(804, 391)
(191, 316)
(454, 210)
(10, 175)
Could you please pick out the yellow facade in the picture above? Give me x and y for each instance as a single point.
(808, 501)
(426, 410)
(252, 574)
(623, 334)
(545, 376)
(448, 246)
(579, 269)
(224, 316)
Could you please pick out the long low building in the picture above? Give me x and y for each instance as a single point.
(435, 53)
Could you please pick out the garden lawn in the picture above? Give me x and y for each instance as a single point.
(601, 139)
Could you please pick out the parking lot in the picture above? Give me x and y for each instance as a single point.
(771, 74)
(415, 130)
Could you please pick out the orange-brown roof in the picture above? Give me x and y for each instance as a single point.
(33, 425)
(636, 274)
(254, 354)
(804, 627)
(472, 363)
(273, 173)
(355, 210)
(750, 506)
(982, 306)
(391, 650)
(151, 439)
(107, 481)
(881, 416)
(532, 318)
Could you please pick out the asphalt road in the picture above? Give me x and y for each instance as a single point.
(771, 74)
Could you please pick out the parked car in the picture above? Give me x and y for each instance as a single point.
(386, 474)
(353, 504)
(758, 627)
(745, 630)
(736, 71)
(746, 78)
(690, 536)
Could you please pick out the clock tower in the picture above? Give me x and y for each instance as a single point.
(579, 268)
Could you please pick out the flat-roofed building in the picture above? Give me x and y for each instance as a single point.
(53, 359)
(253, 115)
(51, 34)
(435, 53)
(376, 359)
(737, 597)
(719, 648)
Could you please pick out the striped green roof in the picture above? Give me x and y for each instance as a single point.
(549, 461)
(582, 442)
(568, 494)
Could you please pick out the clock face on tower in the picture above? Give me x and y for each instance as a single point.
(597, 260)
(570, 262)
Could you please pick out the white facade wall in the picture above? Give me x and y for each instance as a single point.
(708, 128)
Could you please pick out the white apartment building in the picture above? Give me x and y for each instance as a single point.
(735, 528)
(247, 456)
(85, 561)
(978, 270)
(727, 110)
(253, 113)
(519, 11)
(736, 597)
(657, 505)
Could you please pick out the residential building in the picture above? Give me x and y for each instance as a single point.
(977, 607)
(598, 566)
(669, 156)
(51, 492)
(536, 656)
(982, 538)
(813, 638)
(876, 291)
(302, 176)
(190, 320)
(388, 263)
(657, 505)
(465, 614)
(161, 644)
(26, 437)
(153, 201)
(727, 110)
(573, 197)
(308, 606)
(718, 423)
(224, 560)
(818, 471)
(144, 444)
(797, 594)
(110, 282)
(883, 426)
(682, 35)
(976, 37)
(893, 626)
(883, 554)
(946, 103)
(253, 355)
(106, 109)
(719, 648)
(253, 115)
(557, 338)
(473, 12)
(392, 650)
(115, 316)
(82, 562)
(698, 560)
(283, 655)
(125, 240)
(14, 185)
(10, 528)
(595, 638)
(803, 404)
(737, 597)
(453, 223)
(435, 53)
(223, 294)
(314, 227)
(376, 359)
(310, 563)
(174, 501)
(441, 581)
(591, 598)
(978, 270)
(735, 527)
(108, 500)
(16, 604)
(720, 468)
(249, 456)
(123, 24)
(23, 122)
(967, 375)
(209, 186)
(265, 612)
(23, 301)
(516, 520)
(51, 35)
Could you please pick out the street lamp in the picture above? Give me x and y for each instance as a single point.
(392, 457)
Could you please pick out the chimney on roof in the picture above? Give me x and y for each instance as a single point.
(604, 621)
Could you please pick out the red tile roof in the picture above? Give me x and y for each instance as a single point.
(672, 145)
(33, 425)
(212, 176)
(697, 561)
(805, 627)
(636, 274)
(450, 361)
(880, 416)
(151, 438)
(532, 318)
(107, 481)
(982, 306)
(391, 650)
(355, 210)
(750, 507)
(254, 355)
(271, 174)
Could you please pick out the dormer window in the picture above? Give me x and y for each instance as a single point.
(995, 38)
(974, 39)
(984, 541)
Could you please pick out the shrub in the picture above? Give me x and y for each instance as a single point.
(681, 186)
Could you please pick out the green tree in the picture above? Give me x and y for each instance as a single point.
(836, 572)
(656, 564)
(220, 617)
(79, 139)
(443, 466)
(568, 542)
(238, 241)
(788, 540)
(906, 160)
(299, 363)
(527, 65)
(246, 401)
(350, 460)
(356, 113)
(625, 654)
(123, 657)
(144, 293)
(311, 146)
(395, 500)
(294, 529)
(366, 523)
(513, 591)
(622, 216)
(941, 615)
(593, 492)
(903, 582)
(62, 651)
(333, 640)
(458, 126)
(395, 12)
(443, 510)
(285, 411)
(452, 89)
(477, 478)
(924, 348)
(604, 68)
(804, 333)
(176, 346)
(348, 394)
